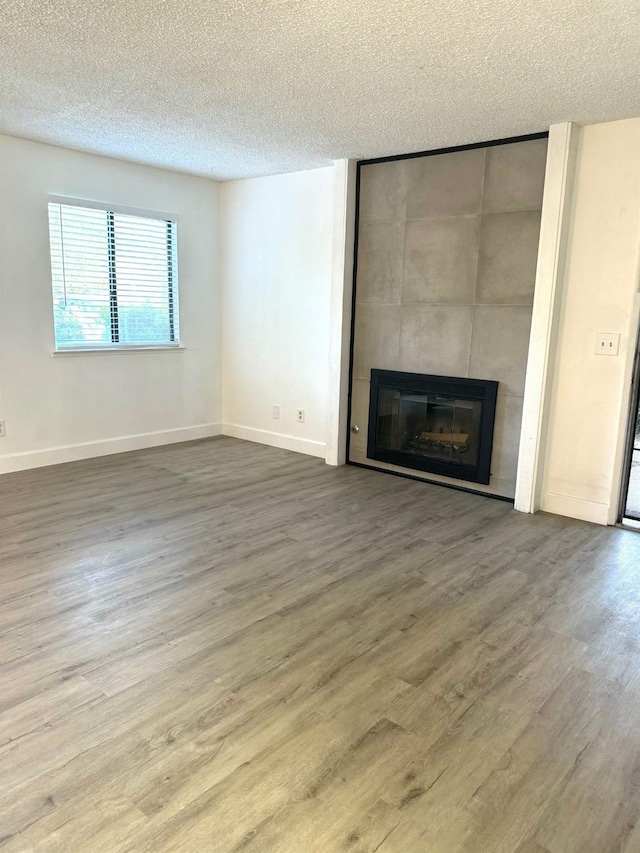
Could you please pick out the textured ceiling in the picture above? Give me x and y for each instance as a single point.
(233, 89)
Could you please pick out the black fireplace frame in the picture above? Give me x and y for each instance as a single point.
(354, 279)
(479, 390)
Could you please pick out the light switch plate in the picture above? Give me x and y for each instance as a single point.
(607, 344)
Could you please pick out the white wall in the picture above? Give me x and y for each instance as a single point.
(590, 393)
(76, 406)
(276, 250)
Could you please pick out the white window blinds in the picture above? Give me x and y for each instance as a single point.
(114, 278)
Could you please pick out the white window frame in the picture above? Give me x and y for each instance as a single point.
(106, 348)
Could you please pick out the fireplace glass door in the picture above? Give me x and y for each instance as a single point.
(429, 425)
(432, 423)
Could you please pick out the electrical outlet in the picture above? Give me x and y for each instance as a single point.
(3, 429)
(607, 344)
(276, 412)
(300, 415)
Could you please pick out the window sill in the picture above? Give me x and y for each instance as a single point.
(123, 350)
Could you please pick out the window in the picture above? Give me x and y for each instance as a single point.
(114, 277)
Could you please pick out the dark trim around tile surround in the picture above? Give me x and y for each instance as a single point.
(395, 157)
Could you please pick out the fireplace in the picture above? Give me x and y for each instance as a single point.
(440, 424)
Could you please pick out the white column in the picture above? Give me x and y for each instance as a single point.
(340, 323)
(554, 228)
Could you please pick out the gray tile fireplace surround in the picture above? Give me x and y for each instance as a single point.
(447, 250)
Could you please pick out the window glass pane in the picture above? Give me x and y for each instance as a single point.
(80, 274)
(142, 275)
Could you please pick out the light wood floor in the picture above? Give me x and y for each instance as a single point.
(219, 646)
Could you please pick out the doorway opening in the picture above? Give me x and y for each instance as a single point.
(630, 504)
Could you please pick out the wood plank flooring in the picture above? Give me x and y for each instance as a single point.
(220, 646)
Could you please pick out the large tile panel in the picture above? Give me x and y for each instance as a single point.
(514, 178)
(380, 262)
(447, 185)
(383, 190)
(506, 437)
(440, 259)
(499, 345)
(376, 339)
(435, 339)
(360, 390)
(508, 255)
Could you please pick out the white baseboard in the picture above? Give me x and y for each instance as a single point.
(90, 449)
(276, 439)
(579, 508)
